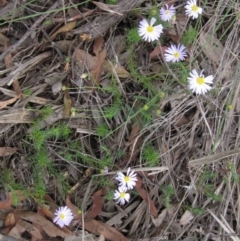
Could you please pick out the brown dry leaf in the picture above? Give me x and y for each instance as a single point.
(94, 226)
(133, 147)
(106, 7)
(29, 228)
(16, 232)
(186, 218)
(144, 194)
(175, 37)
(67, 104)
(158, 221)
(85, 37)
(158, 51)
(7, 205)
(10, 220)
(96, 73)
(97, 204)
(46, 212)
(98, 45)
(101, 55)
(7, 151)
(5, 103)
(119, 70)
(3, 3)
(3, 39)
(47, 226)
(211, 47)
(99, 228)
(85, 60)
(66, 28)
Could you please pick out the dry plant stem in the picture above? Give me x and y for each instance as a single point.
(213, 158)
(102, 23)
(27, 34)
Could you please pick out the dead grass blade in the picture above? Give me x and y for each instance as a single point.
(223, 223)
(25, 67)
(67, 104)
(106, 7)
(213, 158)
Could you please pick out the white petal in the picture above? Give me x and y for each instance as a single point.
(153, 20)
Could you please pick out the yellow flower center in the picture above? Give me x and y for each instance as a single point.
(176, 55)
(126, 178)
(194, 8)
(62, 216)
(122, 194)
(200, 80)
(166, 12)
(150, 29)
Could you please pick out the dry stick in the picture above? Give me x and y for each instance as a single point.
(213, 158)
(26, 35)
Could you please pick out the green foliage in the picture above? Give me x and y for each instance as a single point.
(234, 172)
(189, 36)
(209, 191)
(41, 158)
(206, 185)
(102, 181)
(114, 108)
(150, 155)
(111, 1)
(102, 130)
(168, 192)
(195, 210)
(27, 92)
(153, 12)
(133, 36)
(45, 113)
(7, 177)
(110, 195)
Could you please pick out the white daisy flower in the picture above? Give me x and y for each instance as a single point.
(149, 32)
(63, 217)
(121, 195)
(192, 9)
(175, 53)
(167, 13)
(198, 83)
(128, 181)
